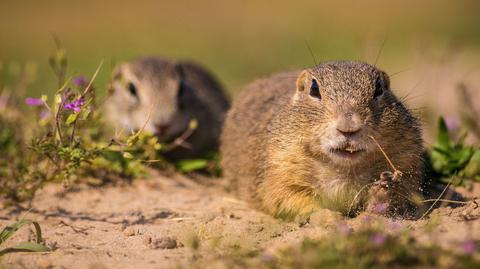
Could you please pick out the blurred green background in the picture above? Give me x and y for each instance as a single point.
(237, 40)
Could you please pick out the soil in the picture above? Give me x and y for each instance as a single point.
(153, 223)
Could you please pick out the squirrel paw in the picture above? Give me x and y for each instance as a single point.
(379, 194)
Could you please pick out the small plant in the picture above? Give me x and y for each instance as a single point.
(368, 247)
(63, 139)
(10, 230)
(210, 164)
(453, 159)
(63, 143)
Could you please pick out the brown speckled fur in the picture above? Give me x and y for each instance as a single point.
(271, 141)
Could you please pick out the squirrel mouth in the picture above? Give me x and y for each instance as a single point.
(347, 152)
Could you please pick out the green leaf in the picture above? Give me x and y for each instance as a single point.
(128, 155)
(72, 118)
(10, 230)
(86, 114)
(438, 160)
(191, 165)
(25, 247)
(472, 170)
(443, 139)
(132, 140)
(462, 156)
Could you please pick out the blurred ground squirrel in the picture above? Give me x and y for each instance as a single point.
(164, 96)
(301, 141)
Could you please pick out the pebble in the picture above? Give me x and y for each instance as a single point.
(129, 231)
(164, 242)
(147, 240)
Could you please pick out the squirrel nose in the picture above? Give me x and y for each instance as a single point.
(161, 129)
(348, 132)
(349, 125)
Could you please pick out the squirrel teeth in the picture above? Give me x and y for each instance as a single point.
(350, 149)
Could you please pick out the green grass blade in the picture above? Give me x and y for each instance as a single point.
(25, 247)
(10, 230)
(443, 138)
(191, 165)
(38, 231)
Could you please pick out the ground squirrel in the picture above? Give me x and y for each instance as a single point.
(164, 96)
(302, 141)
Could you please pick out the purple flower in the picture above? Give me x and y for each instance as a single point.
(378, 239)
(80, 81)
(75, 105)
(34, 101)
(44, 114)
(3, 101)
(452, 123)
(268, 257)
(344, 229)
(380, 208)
(395, 226)
(469, 247)
(367, 219)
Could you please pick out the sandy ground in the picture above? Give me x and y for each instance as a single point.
(151, 223)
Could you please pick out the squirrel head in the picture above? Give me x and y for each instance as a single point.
(345, 104)
(149, 93)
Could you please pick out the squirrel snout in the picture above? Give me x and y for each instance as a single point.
(349, 125)
(349, 132)
(161, 129)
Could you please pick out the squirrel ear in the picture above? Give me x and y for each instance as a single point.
(179, 70)
(116, 76)
(303, 81)
(117, 72)
(385, 79)
(182, 84)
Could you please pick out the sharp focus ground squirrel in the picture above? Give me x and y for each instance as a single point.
(301, 141)
(164, 96)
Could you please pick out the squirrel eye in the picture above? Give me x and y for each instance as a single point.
(378, 88)
(314, 89)
(132, 89)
